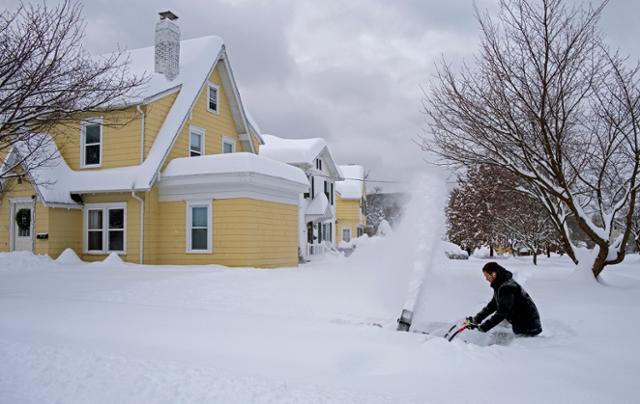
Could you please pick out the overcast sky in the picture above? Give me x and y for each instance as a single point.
(348, 71)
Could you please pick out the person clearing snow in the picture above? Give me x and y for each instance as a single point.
(510, 302)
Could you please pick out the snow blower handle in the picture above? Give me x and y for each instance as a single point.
(467, 324)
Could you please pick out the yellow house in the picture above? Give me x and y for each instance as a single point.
(180, 182)
(351, 216)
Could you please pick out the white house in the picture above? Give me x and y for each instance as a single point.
(317, 208)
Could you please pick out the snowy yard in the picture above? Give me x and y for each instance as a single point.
(105, 333)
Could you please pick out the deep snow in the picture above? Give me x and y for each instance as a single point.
(78, 333)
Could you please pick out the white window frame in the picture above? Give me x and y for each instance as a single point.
(217, 87)
(201, 132)
(229, 140)
(83, 144)
(105, 207)
(199, 204)
(350, 235)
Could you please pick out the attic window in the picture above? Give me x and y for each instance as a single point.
(319, 164)
(91, 138)
(212, 99)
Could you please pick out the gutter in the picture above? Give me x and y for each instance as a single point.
(141, 133)
(141, 247)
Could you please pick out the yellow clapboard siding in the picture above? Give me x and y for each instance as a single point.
(65, 231)
(246, 232)
(215, 125)
(348, 215)
(155, 114)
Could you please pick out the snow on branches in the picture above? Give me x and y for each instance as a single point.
(548, 101)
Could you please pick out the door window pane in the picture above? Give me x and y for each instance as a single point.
(228, 147)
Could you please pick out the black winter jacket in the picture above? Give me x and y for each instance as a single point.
(510, 302)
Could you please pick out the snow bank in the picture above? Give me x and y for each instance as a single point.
(112, 260)
(453, 251)
(68, 257)
(23, 260)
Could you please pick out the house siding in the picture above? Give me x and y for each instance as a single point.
(246, 232)
(348, 214)
(215, 125)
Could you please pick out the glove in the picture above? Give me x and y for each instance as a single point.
(470, 323)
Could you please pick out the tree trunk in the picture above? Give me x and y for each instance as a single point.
(548, 252)
(491, 250)
(600, 262)
(535, 258)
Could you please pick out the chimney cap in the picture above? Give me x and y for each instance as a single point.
(167, 14)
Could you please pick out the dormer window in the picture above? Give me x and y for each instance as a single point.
(196, 142)
(91, 137)
(319, 164)
(212, 99)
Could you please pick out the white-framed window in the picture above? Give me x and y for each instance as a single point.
(319, 164)
(199, 216)
(105, 228)
(346, 234)
(196, 141)
(91, 142)
(212, 98)
(228, 145)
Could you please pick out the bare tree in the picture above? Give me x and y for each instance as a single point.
(635, 229)
(48, 79)
(548, 101)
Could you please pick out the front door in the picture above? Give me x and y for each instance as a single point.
(22, 227)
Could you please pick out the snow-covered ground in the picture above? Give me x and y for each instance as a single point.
(110, 332)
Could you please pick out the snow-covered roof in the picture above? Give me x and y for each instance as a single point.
(55, 181)
(292, 151)
(233, 163)
(318, 207)
(300, 152)
(198, 57)
(352, 187)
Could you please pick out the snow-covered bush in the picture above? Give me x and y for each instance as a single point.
(453, 251)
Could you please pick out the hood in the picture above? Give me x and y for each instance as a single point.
(502, 276)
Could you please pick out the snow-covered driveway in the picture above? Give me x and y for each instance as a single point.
(104, 333)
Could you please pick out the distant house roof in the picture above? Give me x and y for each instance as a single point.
(300, 152)
(353, 185)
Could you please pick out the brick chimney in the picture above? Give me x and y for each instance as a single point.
(167, 55)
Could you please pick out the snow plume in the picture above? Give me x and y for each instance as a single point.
(424, 225)
(391, 273)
